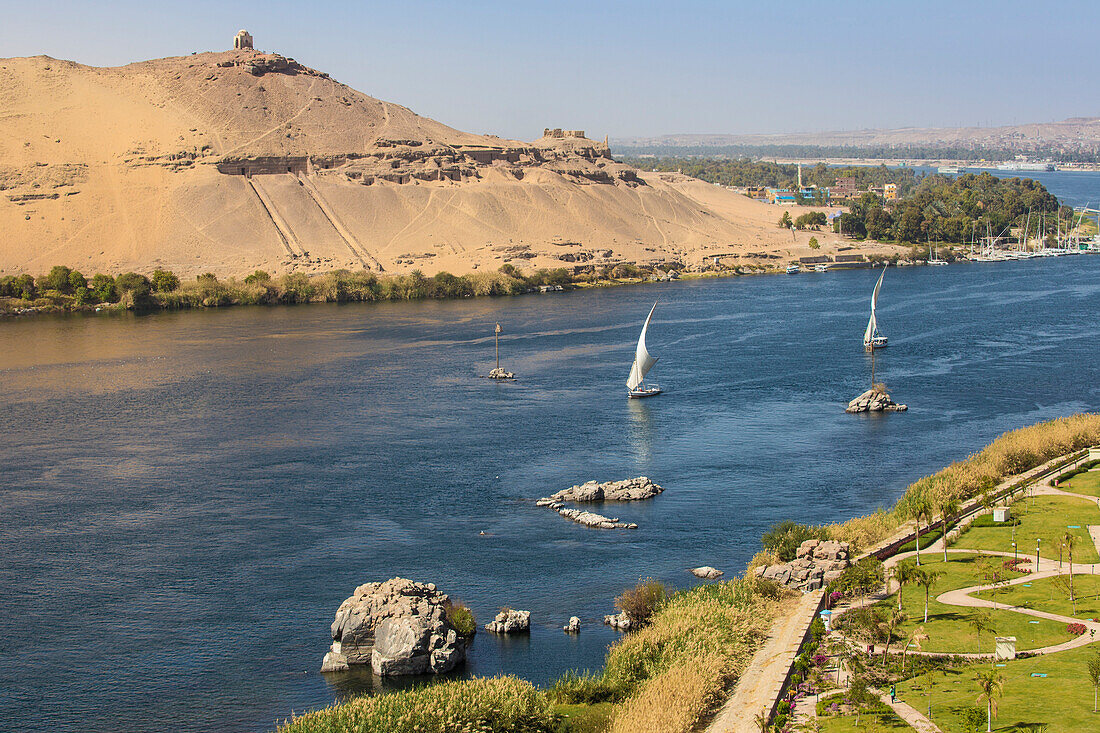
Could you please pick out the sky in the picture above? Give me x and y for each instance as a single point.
(631, 68)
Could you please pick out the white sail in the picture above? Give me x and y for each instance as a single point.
(643, 362)
(872, 322)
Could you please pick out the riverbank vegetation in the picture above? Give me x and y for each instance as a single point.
(1012, 453)
(671, 673)
(662, 678)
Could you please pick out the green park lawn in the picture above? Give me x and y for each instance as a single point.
(1083, 483)
(595, 718)
(1042, 517)
(948, 627)
(883, 716)
(1063, 699)
(1047, 595)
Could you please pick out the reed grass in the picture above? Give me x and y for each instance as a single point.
(492, 705)
(1012, 453)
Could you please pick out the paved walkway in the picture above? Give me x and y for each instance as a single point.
(909, 714)
(761, 683)
(962, 597)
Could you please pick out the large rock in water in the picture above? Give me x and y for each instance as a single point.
(398, 627)
(509, 621)
(631, 489)
(874, 400)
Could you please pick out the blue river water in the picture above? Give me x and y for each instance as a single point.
(185, 498)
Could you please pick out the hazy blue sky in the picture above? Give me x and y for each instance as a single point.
(632, 68)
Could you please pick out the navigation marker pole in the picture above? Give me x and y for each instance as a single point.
(496, 342)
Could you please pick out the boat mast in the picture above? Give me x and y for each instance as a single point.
(496, 342)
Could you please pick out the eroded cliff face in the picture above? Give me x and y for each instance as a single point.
(232, 161)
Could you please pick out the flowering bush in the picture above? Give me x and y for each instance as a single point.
(1076, 629)
(835, 596)
(1015, 565)
(820, 660)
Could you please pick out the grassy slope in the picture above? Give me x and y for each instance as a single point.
(948, 629)
(1083, 483)
(1043, 517)
(1063, 699)
(1046, 595)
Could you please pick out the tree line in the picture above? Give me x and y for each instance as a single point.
(747, 172)
(956, 210)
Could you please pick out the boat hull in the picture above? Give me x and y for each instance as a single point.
(637, 394)
(878, 342)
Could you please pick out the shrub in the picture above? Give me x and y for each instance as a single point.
(77, 281)
(1076, 629)
(57, 279)
(259, 276)
(104, 289)
(784, 538)
(973, 719)
(164, 281)
(864, 577)
(642, 601)
(814, 244)
(461, 618)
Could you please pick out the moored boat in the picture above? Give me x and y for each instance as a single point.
(872, 339)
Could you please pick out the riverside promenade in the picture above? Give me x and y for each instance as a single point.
(760, 688)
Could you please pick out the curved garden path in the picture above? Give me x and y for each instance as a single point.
(963, 598)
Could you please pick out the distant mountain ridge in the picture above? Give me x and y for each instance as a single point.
(1081, 134)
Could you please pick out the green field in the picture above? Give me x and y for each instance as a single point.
(1083, 483)
(883, 716)
(1046, 595)
(1063, 699)
(948, 629)
(1041, 517)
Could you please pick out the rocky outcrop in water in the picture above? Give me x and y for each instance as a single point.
(707, 572)
(591, 519)
(399, 627)
(618, 621)
(816, 563)
(509, 621)
(874, 400)
(573, 627)
(631, 489)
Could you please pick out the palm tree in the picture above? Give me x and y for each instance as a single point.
(980, 621)
(1069, 539)
(889, 626)
(948, 506)
(905, 573)
(1093, 668)
(761, 721)
(992, 686)
(919, 508)
(915, 638)
(926, 578)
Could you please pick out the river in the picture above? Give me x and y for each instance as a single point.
(186, 498)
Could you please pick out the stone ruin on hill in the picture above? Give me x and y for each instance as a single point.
(816, 564)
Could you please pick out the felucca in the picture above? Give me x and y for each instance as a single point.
(643, 362)
(872, 339)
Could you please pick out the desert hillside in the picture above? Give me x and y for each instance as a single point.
(232, 161)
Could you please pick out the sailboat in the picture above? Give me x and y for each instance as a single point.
(643, 362)
(934, 260)
(872, 339)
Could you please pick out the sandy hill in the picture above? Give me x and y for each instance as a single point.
(238, 160)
